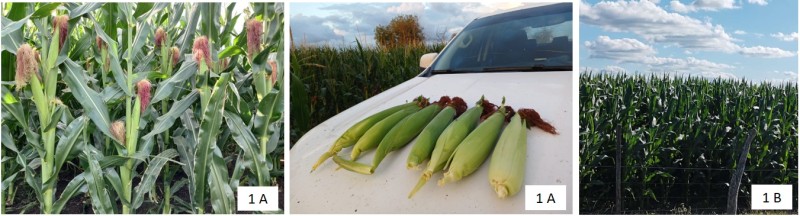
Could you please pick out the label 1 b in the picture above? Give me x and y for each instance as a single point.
(546, 197)
(771, 197)
(257, 198)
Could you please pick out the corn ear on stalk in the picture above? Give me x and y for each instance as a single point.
(351, 136)
(475, 148)
(423, 147)
(448, 141)
(375, 134)
(507, 165)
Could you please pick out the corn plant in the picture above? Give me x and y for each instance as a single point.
(680, 138)
(108, 87)
(327, 80)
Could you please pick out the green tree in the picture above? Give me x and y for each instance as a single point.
(401, 31)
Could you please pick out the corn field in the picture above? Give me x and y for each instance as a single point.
(139, 107)
(327, 80)
(681, 138)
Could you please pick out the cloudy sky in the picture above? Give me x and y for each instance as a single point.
(339, 24)
(752, 39)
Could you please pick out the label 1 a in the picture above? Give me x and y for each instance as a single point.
(257, 198)
(546, 197)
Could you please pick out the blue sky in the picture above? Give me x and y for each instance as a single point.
(752, 39)
(339, 24)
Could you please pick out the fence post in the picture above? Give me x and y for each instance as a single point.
(736, 178)
(618, 166)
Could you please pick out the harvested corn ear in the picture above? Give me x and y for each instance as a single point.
(351, 136)
(423, 147)
(448, 141)
(375, 134)
(475, 148)
(507, 165)
(402, 133)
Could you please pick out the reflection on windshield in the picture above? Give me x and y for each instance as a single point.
(537, 43)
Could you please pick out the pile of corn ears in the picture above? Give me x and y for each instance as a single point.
(454, 140)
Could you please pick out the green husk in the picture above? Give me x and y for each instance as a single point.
(448, 141)
(402, 133)
(351, 136)
(474, 149)
(375, 134)
(426, 141)
(507, 165)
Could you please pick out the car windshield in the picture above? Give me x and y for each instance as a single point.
(535, 39)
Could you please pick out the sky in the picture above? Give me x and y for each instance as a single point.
(751, 39)
(339, 24)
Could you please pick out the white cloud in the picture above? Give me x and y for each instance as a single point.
(786, 37)
(627, 50)
(614, 69)
(622, 50)
(655, 24)
(721, 75)
(765, 52)
(406, 8)
(740, 32)
(758, 2)
(702, 5)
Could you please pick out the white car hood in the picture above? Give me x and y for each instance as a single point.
(549, 160)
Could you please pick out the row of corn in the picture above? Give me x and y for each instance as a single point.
(453, 139)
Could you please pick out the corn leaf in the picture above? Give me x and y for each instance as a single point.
(101, 202)
(67, 142)
(150, 175)
(209, 129)
(166, 121)
(76, 185)
(187, 70)
(248, 143)
(91, 101)
(221, 195)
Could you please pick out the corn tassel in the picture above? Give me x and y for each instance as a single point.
(423, 147)
(448, 141)
(474, 149)
(375, 134)
(351, 136)
(507, 166)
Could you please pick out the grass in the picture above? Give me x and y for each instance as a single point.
(680, 139)
(327, 80)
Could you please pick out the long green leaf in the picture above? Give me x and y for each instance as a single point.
(8, 140)
(91, 101)
(113, 179)
(165, 88)
(101, 202)
(166, 121)
(188, 34)
(75, 186)
(84, 9)
(248, 143)
(67, 142)
(262, 119)
(142, 31)
(150, 175)
(11, 28)
(113, 49)
(221, 194)
(209, 128)
(44, 10)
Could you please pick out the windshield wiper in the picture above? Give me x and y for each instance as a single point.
(528, 68)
